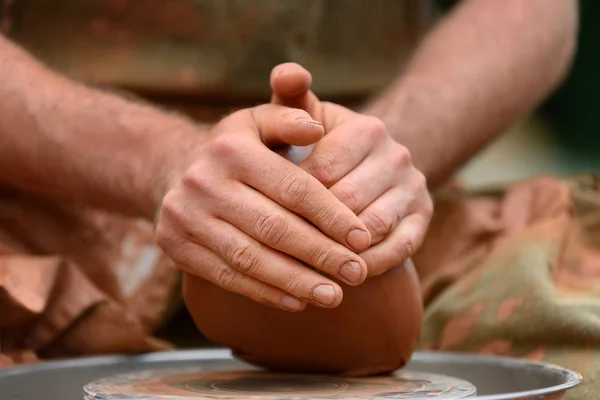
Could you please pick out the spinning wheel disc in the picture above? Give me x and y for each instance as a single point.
(196, 384)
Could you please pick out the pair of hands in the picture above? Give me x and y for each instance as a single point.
(243, 217)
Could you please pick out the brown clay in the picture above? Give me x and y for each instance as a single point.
(373, 331)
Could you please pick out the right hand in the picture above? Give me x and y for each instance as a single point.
(244, 218)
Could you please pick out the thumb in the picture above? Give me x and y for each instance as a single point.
(291, 85)
(276, 126)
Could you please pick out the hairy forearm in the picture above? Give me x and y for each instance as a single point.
(61, 138)
(481, 68)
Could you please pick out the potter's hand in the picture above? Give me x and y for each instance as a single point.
(236, 214)
(365, 168)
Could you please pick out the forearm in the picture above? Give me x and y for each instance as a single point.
(484, 66)
(62, 138)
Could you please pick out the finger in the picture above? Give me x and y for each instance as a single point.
(343, 149)
(251, 258)
(278, 125)
(274, 226)
(366, 183)
(273, 125)
(203, 263)
(398, 246)
(383, 215)
(290, 80)
(291, 85)
(297, 191)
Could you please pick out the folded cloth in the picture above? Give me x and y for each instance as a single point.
(76, 281)
(509, 271)
(516, 272)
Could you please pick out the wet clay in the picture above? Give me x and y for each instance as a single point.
(375, 329)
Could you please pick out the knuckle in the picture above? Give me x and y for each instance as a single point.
(293, 283)
(245, 259)
(421, 181)
(401, 156)
(225, 146)
(332, 222)
(193, 265)
(172, 206)
(224, 277)
(322, 257)
(321, 168)
(428, 206)
(198, 181)
(271, 228)
(373, 127)
(164, 236)
(350, 196)
(404, 248)
(295, 190)
(261, 295)
(378, 223)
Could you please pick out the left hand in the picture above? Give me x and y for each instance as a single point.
(365, 168)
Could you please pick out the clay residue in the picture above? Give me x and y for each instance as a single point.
(536, 355)
(458, 328)
(188, 76)
(497, 347)
(508, 307)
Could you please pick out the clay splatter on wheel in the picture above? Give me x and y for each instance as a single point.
(190, 384)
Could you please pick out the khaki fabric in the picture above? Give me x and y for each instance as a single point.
(516, 272)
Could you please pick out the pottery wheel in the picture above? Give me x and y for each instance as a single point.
(214, 374)
(196, 384)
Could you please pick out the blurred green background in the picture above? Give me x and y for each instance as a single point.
(573, 111)
(562, 136)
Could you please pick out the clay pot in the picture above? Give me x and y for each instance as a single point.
(375, 329)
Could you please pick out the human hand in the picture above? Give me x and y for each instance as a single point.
(244, 218)
(365, 168)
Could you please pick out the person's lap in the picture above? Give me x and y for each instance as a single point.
(516, 272)
(509, 272)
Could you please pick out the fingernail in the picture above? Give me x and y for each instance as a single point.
(324, 294)
(308, 121)
(311, 122)
(292, 303)
(358, 239)
(351, 271)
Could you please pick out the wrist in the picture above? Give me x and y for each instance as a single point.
(173, 152)
(415, 117)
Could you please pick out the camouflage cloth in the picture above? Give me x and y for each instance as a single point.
(516, 272)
